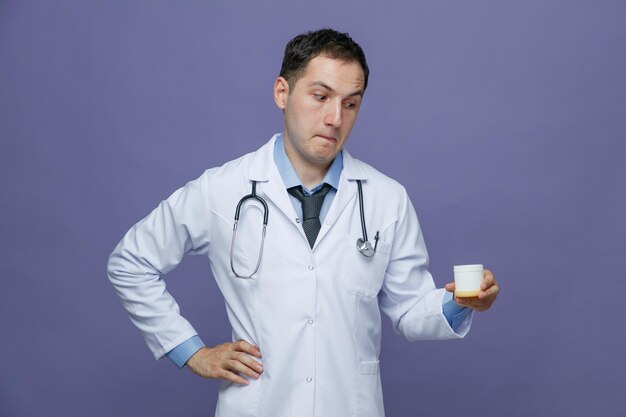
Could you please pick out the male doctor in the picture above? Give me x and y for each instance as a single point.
(303, 301)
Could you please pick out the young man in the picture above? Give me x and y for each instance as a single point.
(303, 293)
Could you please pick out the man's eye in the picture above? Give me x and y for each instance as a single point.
(349, 105)
(320, 97)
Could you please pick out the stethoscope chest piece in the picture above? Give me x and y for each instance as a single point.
(365, 247)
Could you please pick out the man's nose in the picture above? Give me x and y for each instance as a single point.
(333, 117)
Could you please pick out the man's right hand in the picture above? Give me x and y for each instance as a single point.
(227, 361)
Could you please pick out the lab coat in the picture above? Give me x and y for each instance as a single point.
(313, 313)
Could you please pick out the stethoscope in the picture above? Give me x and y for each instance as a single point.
(363, 245)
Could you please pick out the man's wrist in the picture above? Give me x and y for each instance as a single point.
(181, 353)
(454, 313)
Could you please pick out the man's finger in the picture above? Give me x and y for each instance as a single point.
(235, 365)
(229, 376)
(488, 279)
(489, 292)
(244, 346)
(473, 304)
(465, 301)
(249, 362)
(469, 301)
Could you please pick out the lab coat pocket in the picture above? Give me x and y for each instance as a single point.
(240, 400)
(362, 275)
(369, 391)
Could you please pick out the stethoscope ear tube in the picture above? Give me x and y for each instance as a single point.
(255, 197)
(232, 243)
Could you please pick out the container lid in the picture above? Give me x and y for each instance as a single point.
(468, 268)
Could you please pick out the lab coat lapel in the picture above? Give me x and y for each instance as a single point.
(269, 182)
(345, 194)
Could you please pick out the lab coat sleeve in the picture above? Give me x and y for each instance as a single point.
(149, 250)
(409, 296)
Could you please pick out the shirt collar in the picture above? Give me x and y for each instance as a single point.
(291, 178)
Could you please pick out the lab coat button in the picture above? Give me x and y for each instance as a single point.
(309, 379)
(310, 322)
(311, 267)
(297, 220)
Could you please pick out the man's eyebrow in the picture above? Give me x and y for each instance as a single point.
(329, 88)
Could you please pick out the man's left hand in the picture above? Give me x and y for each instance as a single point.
(489, 290)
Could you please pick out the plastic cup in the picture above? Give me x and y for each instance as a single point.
(467, 279)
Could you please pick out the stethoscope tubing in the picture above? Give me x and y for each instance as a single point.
(363, 245)
(253, 196)
(363, 228)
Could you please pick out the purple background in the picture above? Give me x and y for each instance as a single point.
(505, 120)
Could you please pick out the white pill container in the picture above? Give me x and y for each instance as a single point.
(467, 280)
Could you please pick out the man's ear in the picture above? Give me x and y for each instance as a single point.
(281, 91)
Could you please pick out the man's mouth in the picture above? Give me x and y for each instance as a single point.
(331, 138)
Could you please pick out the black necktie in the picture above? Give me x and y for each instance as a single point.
(311, 207)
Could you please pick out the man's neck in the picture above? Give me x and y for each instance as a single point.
(310, 174)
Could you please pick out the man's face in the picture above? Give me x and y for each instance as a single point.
(320, 109)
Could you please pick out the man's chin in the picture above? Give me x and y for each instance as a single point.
(325, 158)
(323, 152)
